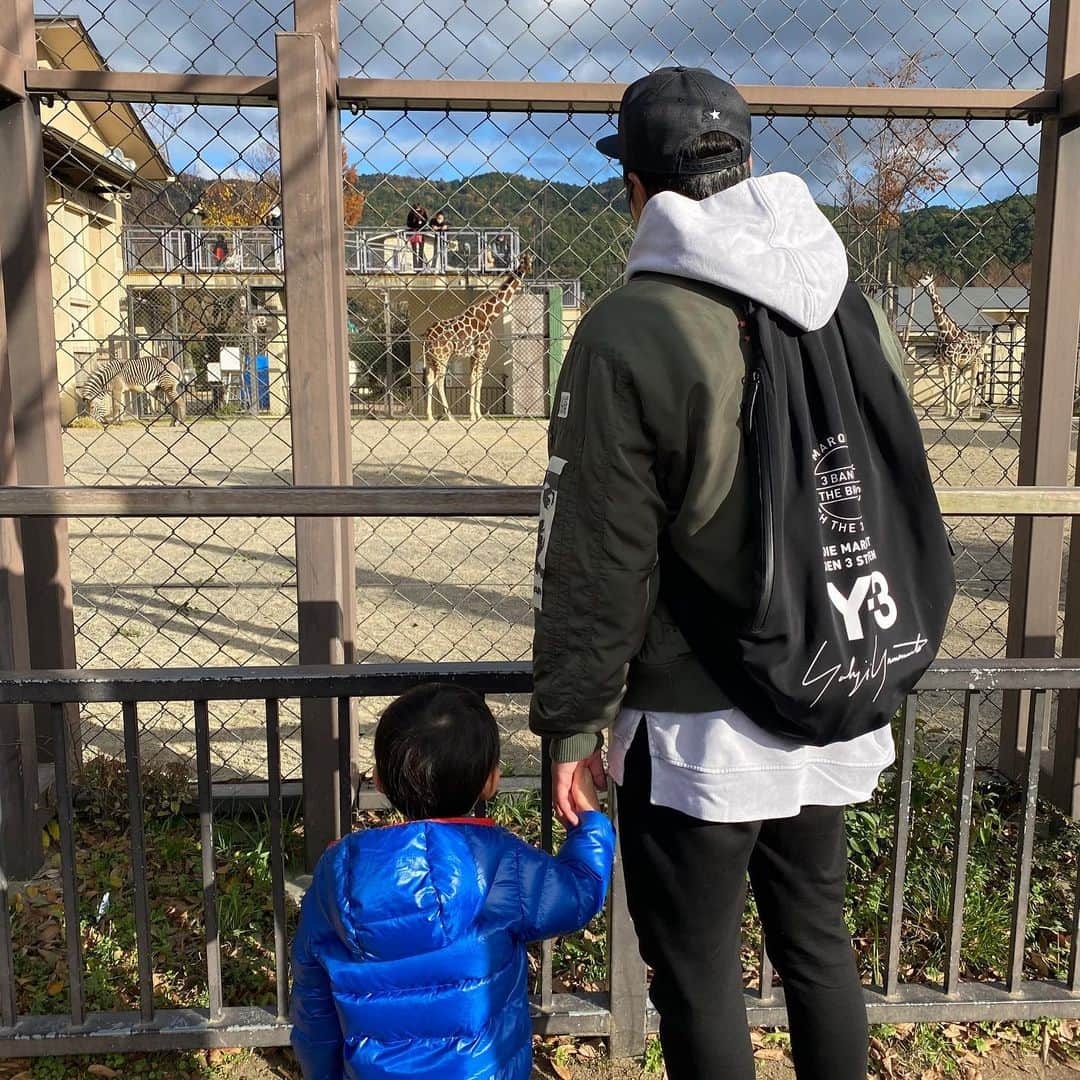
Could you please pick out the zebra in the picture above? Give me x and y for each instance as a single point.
(156, 376)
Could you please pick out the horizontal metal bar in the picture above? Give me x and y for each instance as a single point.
(239, 683)
(388, 680)
(385, 680)
(495, 96)
(469, 501)
(569, 1014)
(282, 501)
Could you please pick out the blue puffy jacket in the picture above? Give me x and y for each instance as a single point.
(410, 960)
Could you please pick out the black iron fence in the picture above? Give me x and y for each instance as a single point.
(619, 1012)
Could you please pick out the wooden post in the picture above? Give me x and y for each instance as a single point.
(318, 364)
(1054, 333)
(20, 834)
(1049, 381)
(31, 367)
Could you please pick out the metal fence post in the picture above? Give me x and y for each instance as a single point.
(20, 838)
(626, 972)
(315, 306)
(34, 385)
(1061, 330)
(1049, 379)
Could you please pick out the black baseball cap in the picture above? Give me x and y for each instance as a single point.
(663, 113)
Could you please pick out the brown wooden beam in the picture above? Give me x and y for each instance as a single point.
(400, 501)
(494, 96)
(319, 396)
(20, 833)
(1049, 387)
(153, 86)
(12, 75)
(1069, 103)
(775, 100)
(31, 366)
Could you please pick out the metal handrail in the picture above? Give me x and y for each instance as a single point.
(368, 250)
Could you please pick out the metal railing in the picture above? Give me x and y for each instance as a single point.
(368, 250)
(619, 1013)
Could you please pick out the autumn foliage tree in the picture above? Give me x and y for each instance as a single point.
(885, 169)
(247, 198)
(353, 198)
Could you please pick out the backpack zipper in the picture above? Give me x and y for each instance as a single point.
(760, 432)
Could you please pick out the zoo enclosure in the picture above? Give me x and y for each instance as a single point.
(303, 85)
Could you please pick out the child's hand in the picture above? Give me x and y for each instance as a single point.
(584, 790)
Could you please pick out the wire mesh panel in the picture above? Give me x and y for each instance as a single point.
(487, 236)
(782, 41)
(172, 353)
(204, 36)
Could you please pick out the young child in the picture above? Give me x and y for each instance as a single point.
(409, 960)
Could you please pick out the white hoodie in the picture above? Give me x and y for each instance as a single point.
(765, 239)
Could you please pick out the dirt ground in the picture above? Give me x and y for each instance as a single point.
(196, 592)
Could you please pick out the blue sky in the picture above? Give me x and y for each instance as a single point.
(987, 43)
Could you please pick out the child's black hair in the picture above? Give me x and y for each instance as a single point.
(435, 748)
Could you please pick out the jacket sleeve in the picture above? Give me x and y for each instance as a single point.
(600, 524)
(890, 344)
(316, 1035)
(561, 893)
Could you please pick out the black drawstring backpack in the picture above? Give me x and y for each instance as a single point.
(854, 576)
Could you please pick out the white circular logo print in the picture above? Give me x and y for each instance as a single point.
(838, 489)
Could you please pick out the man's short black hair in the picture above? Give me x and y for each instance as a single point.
(700, 186)
(435, 748)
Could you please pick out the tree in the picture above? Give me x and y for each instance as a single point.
(247, 197)
(353, 199)
(886, 169)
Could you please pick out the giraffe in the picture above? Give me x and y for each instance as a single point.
(957, 352)
(468, 334)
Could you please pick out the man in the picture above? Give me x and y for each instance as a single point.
(648, 465)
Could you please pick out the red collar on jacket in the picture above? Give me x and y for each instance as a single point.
(459, 820)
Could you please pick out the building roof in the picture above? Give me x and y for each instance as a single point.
(65, 43)
(976, 307)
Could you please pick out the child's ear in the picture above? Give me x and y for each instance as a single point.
(492, 784)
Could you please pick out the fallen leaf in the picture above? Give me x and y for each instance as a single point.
(102, 1070)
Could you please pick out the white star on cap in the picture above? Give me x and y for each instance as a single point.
(714, 115)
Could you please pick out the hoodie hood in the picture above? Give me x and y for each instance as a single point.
(765, 239)
(405, 890)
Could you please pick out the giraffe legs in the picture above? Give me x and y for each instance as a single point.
(441, 386)
(477, 368)
(429, 391)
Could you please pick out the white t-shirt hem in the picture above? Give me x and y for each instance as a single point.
(721, 767)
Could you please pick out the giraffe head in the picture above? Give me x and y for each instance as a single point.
(524, 268)
(927, 282)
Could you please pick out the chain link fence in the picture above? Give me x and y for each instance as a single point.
(167, 249)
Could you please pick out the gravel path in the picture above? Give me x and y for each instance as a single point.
(196, 592)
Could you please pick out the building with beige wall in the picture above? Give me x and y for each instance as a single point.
(94, 154)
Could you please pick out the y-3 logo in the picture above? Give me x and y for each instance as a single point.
(871, 592)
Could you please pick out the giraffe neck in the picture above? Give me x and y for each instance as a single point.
(495, 305)
(946, 327)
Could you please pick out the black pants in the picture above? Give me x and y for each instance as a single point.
(686, 889)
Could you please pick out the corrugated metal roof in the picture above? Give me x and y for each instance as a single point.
(966, 307)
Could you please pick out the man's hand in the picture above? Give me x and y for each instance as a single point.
(570, 797)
